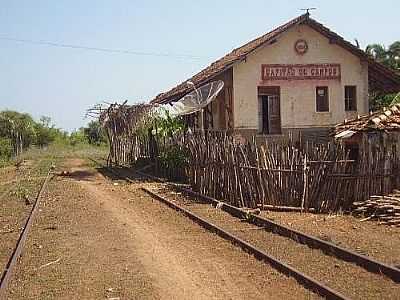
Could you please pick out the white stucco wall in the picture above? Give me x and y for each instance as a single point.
(298, 96)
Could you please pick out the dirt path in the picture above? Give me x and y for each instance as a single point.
(112, 241)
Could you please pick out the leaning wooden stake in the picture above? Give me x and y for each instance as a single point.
(305, 181)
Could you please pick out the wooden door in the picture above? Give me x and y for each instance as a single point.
(322, 97)
(274, 114)
(222, 110)
(264, 114)
(270, 100)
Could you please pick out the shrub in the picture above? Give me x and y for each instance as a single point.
(5, 149)
(77, 137)
(174, 161)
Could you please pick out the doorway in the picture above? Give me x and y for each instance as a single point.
(270, 110)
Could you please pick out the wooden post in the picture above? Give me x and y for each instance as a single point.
(305, 187)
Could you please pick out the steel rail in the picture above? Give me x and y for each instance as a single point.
(12, 262)
(331, 249)
(368, 263)
(306, 281)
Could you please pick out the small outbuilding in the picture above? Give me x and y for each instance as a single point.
(378, 130)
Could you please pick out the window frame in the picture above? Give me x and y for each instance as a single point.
(317, 106)
(347, 105)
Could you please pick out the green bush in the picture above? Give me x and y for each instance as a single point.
(77, 137)
(173, 162)
(5, 149)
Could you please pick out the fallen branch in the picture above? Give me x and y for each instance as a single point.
(50, 263)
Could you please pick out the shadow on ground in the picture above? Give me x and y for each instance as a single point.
(122, 173)
(86, 175)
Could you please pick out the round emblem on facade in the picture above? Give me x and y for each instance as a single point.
(301, 47)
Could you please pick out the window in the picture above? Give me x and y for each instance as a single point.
(322, 98)
(350, 98)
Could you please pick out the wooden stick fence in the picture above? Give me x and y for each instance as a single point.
(317, 177)
(320, 177)
(122, 123)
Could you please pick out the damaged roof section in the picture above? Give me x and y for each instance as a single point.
(387, 119)
(381, 78)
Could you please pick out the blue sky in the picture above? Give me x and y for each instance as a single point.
(63, 82)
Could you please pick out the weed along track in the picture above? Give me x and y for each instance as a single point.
(329, 276)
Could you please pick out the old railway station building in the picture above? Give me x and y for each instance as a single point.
(299, 78)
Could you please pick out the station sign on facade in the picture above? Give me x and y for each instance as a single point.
(300, 72)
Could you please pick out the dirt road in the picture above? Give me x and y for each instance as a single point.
(100, 239)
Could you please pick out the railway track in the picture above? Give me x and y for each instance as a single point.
(327, 269)
(12, 262)
(329, 248)
(308, 282)
(328, 276)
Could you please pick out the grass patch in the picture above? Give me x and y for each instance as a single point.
(34, 164)
(57, 152)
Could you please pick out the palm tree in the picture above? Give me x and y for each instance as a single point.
(394, 49)
(390, 56)
(377, 51)
(394, 54)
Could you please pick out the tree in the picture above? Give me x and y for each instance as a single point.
(19, 128)
(377, 51)
(47, 133)
(94, 133)
(389, 57)
(44, 133)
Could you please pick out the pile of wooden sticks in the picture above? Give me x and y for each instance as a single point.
(385, 209)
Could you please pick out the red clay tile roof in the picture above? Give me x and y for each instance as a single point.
(380, 77)
(387, 119)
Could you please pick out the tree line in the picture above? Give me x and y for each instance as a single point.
(19, 131)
